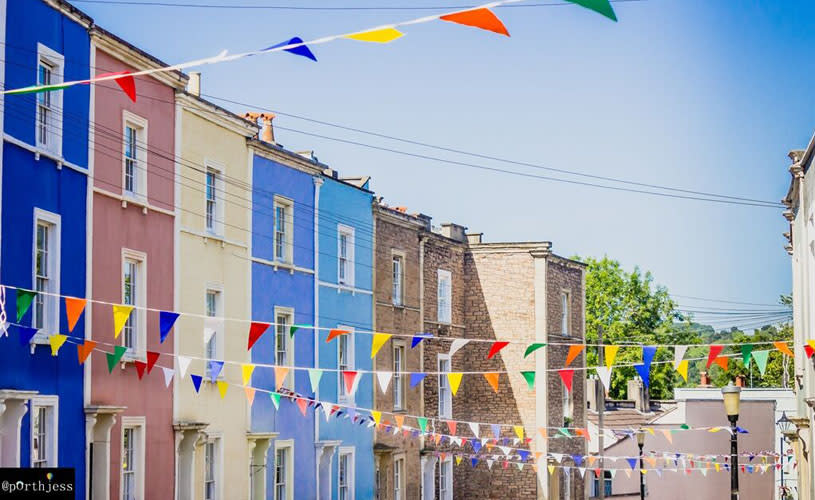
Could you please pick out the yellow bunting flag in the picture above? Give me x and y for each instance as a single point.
(250, 394)
(610, 354)
(574, 351)
(280, 373)
(519, 431)
(682, 368)
(377, 416)
(378, 341)
(455, 381)
(783, 347)
(56, 342)
(247, 370)
(382, 35)
(222, 386)
(551, 469)
(120, 315)
(492, 378)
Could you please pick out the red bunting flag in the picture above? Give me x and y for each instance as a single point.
(451, 424)
(478, 18)
(809, 351)
(84, 350)
(140, 367)
(566, 375)
(256, 329)
(73, 309)
(496, 346)
(349, 377)
(332, 334)
(715, 350)
(302, 404)
(152, 357)
(574, 352)
(126, 82)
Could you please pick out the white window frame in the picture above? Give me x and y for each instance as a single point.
(446, 487)
(216, 440)
(51, 406)
(219, 191)
(219, 337)
(50, 302)
(568, 405)
(139, 311)
(444, 302)
(140, 168)
(348, 232)
(398, 279)
(348, 451)
(288, 382)
(139, 426)
(399, 377)
(288, 446)
(446, 398)
(350, 340)
(398, 492)
(56, 61)
(287, 245)
(565, 312)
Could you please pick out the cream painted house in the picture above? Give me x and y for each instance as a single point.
(214, 449)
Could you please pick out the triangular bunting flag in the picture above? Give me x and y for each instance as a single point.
(246, 373)
(382, 35)
(302, 404)
(644, 372)
(610, 354)
(722, 362)
(679, 353)
(126, 82)
(604, 374)
(222, 387)
(120, 315)
(474, 428)
(519, 431)
(784, 348)
(212, 326)
(384, 379)
(256, 330)
(530, 379)
(532, 348)
(422, 421)
(275, 400)
(84, 350)
(280, 373)
(496, 346)
(214, 369)
(455, 380)
(334, 333)
(456, 345)
(292, 330)
(376, 415)
(250, 394)
(400, 420)
(378, 341)
(152, 358)
(166, 320)
(140, 367)
(713, 353)
(24, 300)
(418, 338)
(415, 378)
(668, 435)
(183, 364)
(574, 351)
(314, 376)
(632, 462)
(168, 375)
(451, 424)
(760, 358)
(299, 48)
(478, 18)
(566, 375)
(492, 379)
(196, 381)
(600, 6)
(113, 358)
(648, 353)
(682, 368)
(746, 350)
(56, 342)
(73, 310)
(26, 334)
(349, 377)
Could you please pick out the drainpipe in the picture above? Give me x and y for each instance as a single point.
(422, 241)
(318, 181)
(373, 296)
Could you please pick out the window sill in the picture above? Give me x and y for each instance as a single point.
(136, 199)
(290, 267)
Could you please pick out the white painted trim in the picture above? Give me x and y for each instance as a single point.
(177, 256)
(52, 448)
(449, 399)
(141, 304)
(55, 130)
(208, 236)
(280, 265)
(2, 103)
(448, 460)
(130, 200)
(289, 445)
(343, 288)
(351, 451)
(142, 146)
(318, 182)
(44, 152)
(215, 438)
(51, 325)
(218, 226)
(87, 366)
(220, 334)
(352, 344)
(441, 273)
(139, 424)
(350, 277)
(290, 377)
(288, 226)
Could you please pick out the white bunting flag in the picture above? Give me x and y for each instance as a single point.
(456, 345)
(474, 428)
(605, 376)
(183, 364)
(679, 353)
(384, 380)
(211, 327)
(489, 463)
(168, 375)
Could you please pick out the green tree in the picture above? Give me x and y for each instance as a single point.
(631, 309)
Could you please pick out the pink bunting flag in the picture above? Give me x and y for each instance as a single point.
(566, 375)
(496, 347)
(715, 350)
(302, 404)
(349, 377)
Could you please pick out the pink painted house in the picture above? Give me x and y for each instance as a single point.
(130, 421)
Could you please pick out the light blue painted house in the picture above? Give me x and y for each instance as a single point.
(345, 302)
(43, 234)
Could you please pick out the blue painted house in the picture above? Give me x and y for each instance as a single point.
(345, 302)
(284, 185)
(43, 232)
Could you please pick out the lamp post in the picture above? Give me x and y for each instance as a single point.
(785, 426)
(640, 443)
(731, 396)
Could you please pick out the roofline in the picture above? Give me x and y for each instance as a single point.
(283, 155)
(71, 11)
(400, 217)
(215, 113)
(349, 184)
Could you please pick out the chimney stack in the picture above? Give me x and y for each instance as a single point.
(454, 231)
(267, 131)
(639, 394)
(740, 381)
(474, 238)
(704, 379)
(194, 84)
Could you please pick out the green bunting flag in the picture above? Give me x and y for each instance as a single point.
(115, 356)
(746, 350)
(276, 400)
(292, 329)
(532, 348)
(37, 90)
(314, 376)
(760, 358)
(600, 6)
(422, 423)
(24, 299)
(565, 432)
(530, 379)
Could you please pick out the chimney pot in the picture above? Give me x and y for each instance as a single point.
(194, 83)
(704, 379)
(740, 381)
(267, 131)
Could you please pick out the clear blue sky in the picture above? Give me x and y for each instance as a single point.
(699, 94)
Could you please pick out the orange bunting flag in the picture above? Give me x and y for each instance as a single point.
(334, 333)
(280, 373)
(84, 350)
(477, 18)
(783, 347)
(721, 361)
(566, 375)
(574, 351)
(256, 329)
(714, 352)
(250, 394)
(349, 377)
(302, 404)
(496, 346)
(451, 424)
(400, 420)
(542, 432)
(73, 310)
(492, 378)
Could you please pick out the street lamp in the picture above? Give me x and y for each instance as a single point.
(731, 395)
(785, 425)
(640, 443)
